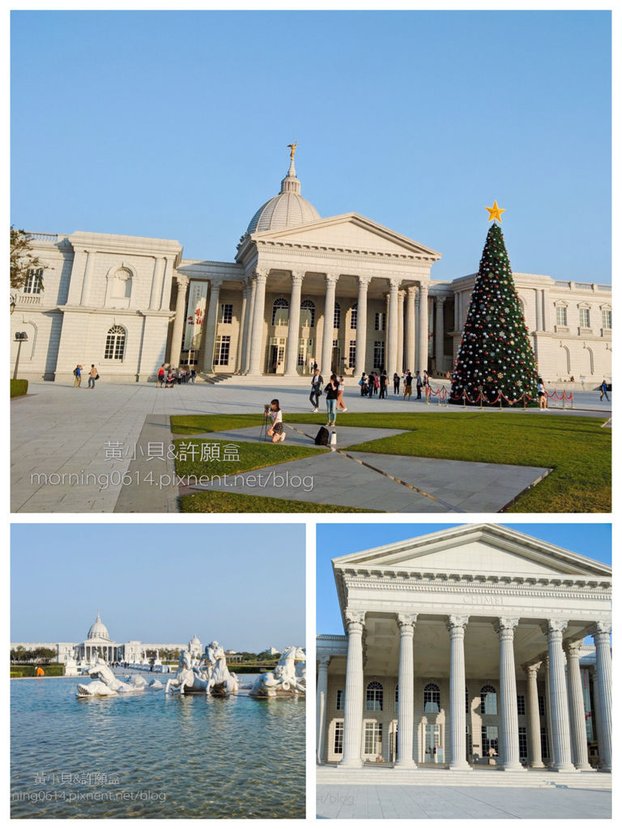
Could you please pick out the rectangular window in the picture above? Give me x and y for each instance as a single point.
(561, 313)
(584, 317)
(544, 744)
(226, 313)
(373, 739)
(354, 313)
(352, 354)
(379, 321)
(520, 702)
(540, 705)
(221, 352)
(490, 740)
(341, 695)
(34, 281)
(338, 742)
(607, 318)
(378, 354)
(522, 742)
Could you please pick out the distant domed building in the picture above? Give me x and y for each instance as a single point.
(342, 292)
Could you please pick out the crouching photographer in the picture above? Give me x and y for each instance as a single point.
(276, 432)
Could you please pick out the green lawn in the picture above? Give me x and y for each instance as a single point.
(576, 448)
(236, 502)
(251, 456)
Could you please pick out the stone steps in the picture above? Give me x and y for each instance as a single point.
(476, 777)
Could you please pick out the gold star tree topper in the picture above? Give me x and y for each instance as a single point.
(494, 212)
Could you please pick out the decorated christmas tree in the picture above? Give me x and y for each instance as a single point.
(495, 360)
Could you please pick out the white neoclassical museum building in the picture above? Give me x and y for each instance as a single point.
(342, 291)
(467, 648)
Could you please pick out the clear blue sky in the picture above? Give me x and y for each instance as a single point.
(243, 585)
(590, 540)
(175, 125)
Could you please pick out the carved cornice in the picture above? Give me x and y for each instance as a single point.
(273, 244)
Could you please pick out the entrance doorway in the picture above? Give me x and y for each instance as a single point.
(336, 358)
(433, 744)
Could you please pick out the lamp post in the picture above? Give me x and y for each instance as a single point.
(20, 337)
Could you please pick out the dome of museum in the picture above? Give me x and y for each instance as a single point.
(287, 209)
(98, 630)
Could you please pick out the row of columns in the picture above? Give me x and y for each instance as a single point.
(400, 336)
(565, 714)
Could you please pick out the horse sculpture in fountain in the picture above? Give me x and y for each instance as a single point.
(106, 684)
(288, 678)
(210, 676)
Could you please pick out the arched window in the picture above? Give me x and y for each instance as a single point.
(374, 697)
(280, 311)
(337, 316)
(307, 313)
(115, 343)
(488, 697)
(121, 284)
(354, 314)
(431, 699)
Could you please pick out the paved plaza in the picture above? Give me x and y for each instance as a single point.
(451, 802)
(74, 449)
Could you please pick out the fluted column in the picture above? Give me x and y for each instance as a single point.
(321, 703)
(256, 361)
(423, 327)
(242, 336)
(249, 326)
(391, 358)
(547, 708)
(329, 319)
(400, 332)
(353, 710)
(533, 713)
(508, 708)
(293, 328)
(406, 699)
(180, 318)
(211, 322)
(560, 721)
(457, 693)
(411, 293)
(439, 333)
(601, 634)
(88, 275)
(361, 325)
(576, 707)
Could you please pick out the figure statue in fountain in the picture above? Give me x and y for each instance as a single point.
(288, 678)
(210, 676)
(106, 684)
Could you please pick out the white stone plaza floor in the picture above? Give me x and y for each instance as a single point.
(72, 447)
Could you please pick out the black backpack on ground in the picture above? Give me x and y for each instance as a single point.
(323, 436)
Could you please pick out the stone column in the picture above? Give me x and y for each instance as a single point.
(422, 364)
(242, 338)
(293, 328)
(411, 293)
(321, 704)
(601, 634)
(406, 699)
(353, 710)
(86, 280)
(329, 319)
(156, 283)
(560, 721)
(547, 708)
(576, 707)
(439, 333)
(256, 356)
(457, 694)
(211, 323)
(400, 333)
(533, 712)
(538, 309)
(252, 287)
(392, 333)
(361, 325)
(180, 319)
(508, 709)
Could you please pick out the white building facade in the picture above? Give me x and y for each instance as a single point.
(468, 647)
(343, 292)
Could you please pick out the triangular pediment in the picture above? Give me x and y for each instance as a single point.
(350, 232)
(478, 549)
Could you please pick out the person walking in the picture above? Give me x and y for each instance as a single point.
(341, 406)
(418, 384)
(376, 382)
(541, 391)
(396, 383)
(383, 385)
(603, 390)
(331, 391)
(363, 384)
(77, 377)
(427, 388)
(408, 385)
(161, 376)
(93, 376)
(317, 382)
(370, 384)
